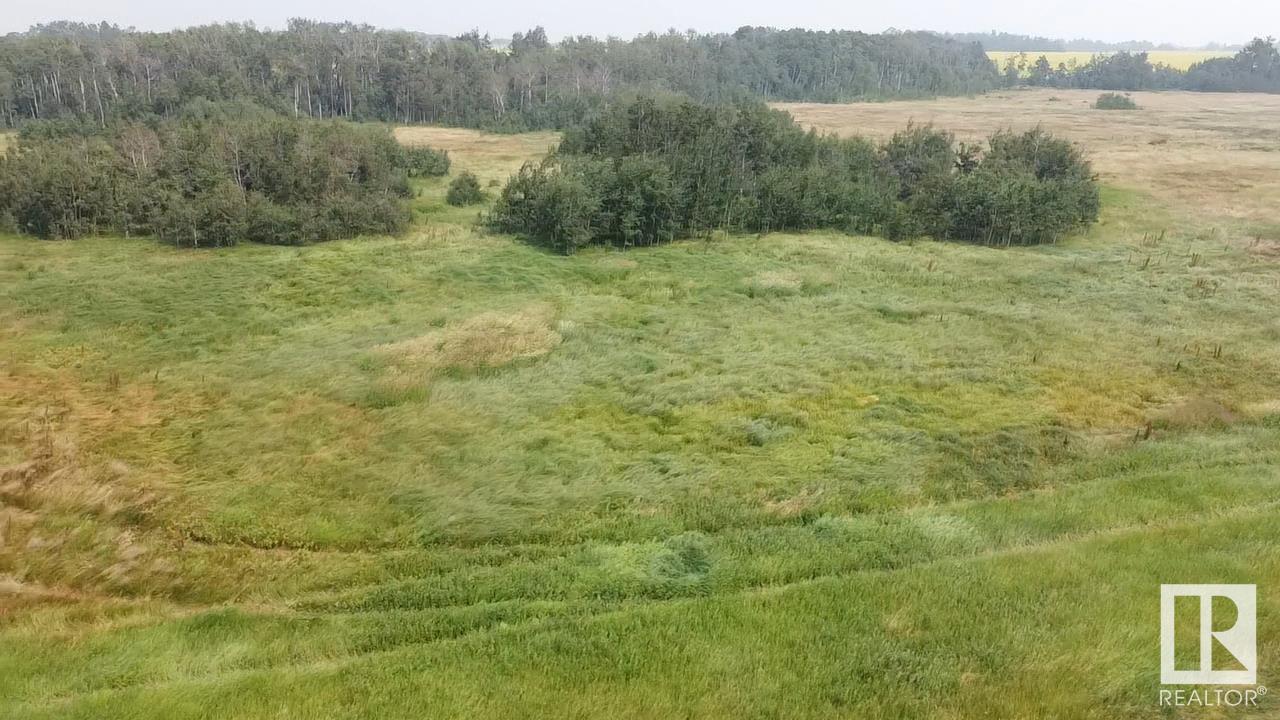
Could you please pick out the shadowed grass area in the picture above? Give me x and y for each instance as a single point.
(797, 475)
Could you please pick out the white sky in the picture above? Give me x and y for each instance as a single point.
(1185, 22)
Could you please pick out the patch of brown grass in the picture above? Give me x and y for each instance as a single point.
(490, 156)
(487, 340)
(614, 261)
(776, 280)
(50, 422)
(52, 428)
(796, 505)
(1263, 408)
(1193, 412)
(1264, 248)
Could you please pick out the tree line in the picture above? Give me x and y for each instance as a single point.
(1254, 68)
(214, 175)
(651, 170)
(97, 73)
(1014, 42)
(343, 70)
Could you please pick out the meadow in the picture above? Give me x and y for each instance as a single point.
(793, 475)
(1178, 59)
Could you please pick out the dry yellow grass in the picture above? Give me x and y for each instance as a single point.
(776, 280)
(1180, 59)
(1193, 412)
(489, 156)
(1219, 152)
(490, 339)
(54, 465)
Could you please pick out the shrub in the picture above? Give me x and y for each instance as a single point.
(648, 172)
(61, 187)
(425, 162)
(917, 154)
(1029, 188)
(638, 204)
(1114, 101)
(270, 223)
(216, 176)
(464, 190)
(549, 205)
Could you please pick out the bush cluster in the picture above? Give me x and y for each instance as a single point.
(648, 171)
(1114, 101)
(464, 190)
(426, 162)
(213, 177)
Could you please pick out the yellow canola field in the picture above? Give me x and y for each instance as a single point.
(1180, 59)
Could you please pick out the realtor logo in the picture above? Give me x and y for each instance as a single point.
(1240, 641)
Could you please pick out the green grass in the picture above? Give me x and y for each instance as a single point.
(798, 475)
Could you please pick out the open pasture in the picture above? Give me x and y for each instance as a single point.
(810, 475)
(1213, 155)
(490, 156)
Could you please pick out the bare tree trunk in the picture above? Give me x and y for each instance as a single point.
(35, 99)
(97, 93)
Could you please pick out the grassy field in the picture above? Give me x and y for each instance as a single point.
(451, 475)
(1180, 59)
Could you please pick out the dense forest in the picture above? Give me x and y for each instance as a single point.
(1254, 68)
(324, 70)
(649, 171)
(96, 73)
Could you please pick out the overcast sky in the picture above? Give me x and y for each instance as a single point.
(1186, 22)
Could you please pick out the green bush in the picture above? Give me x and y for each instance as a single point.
(1114, 101)
(216, 176)
(217, 217)
(650, 171)
(550, 205)
(62, 187)
(638, 206)
(271, 223)
(1029, 188)
(425, 162)
(464, 190)
(918, 154)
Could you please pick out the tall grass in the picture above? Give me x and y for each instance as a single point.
(801, 475)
